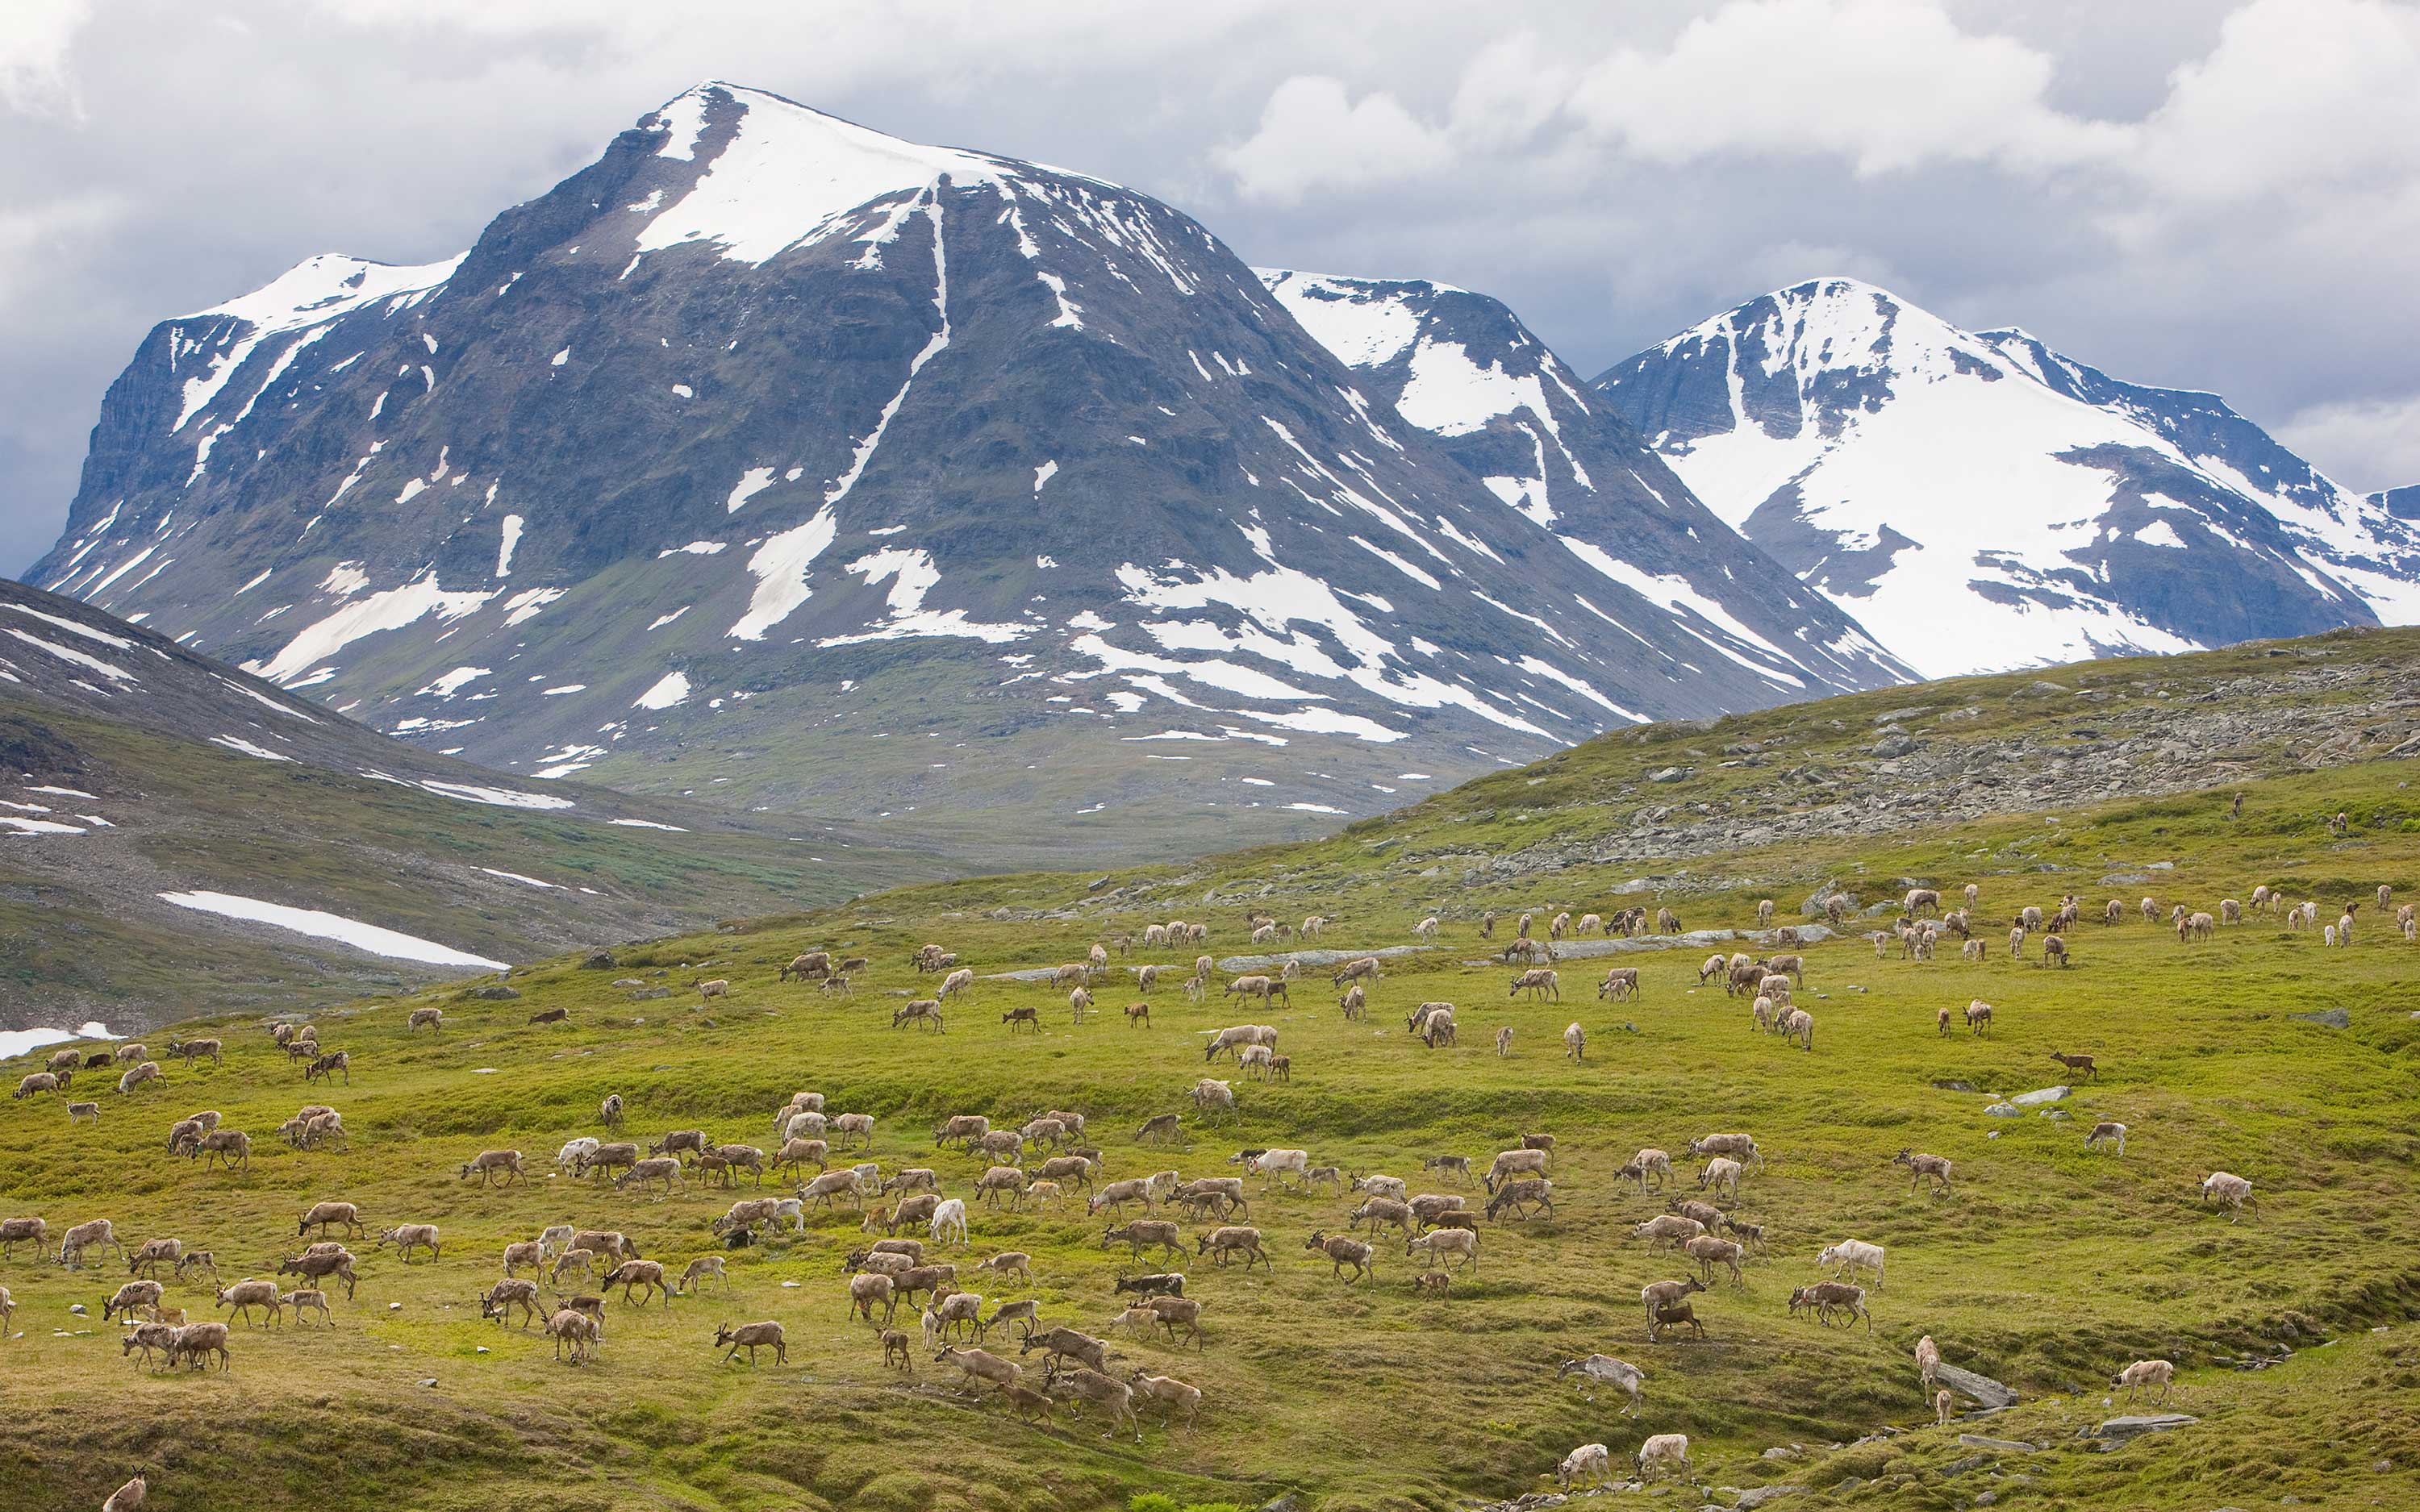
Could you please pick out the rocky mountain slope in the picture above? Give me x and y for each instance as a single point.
(1979, 500)
(176, 834)
(773, 456)
(2403, 503)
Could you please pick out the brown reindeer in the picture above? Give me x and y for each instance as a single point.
(2082, 1063)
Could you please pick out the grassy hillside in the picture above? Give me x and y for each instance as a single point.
(84, 935)
(2047, 1266)
(131, 767)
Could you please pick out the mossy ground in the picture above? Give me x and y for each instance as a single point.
(2048, 1266)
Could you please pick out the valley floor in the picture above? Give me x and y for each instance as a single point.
(2047, 1266)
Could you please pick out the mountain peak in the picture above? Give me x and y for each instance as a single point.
(1836, 286)
(1839, 322)
(775, 174)
(325, 286)
(1926, 475)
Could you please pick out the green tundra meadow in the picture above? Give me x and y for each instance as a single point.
(2046, 1266)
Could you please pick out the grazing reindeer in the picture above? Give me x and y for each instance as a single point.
(1935, 1168)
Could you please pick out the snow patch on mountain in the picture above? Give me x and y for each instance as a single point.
(911, 574)
(1269, 603)
(313, 292)
(63, 623)
(492, 797)
(779, 567)
(751, 483)
(788, 176)
(237, 743)
(68, 654)
(318, 924)
(668, 691)
(1362, 322)
(390, 609)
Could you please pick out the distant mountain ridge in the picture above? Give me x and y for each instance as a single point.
(1980, 501)
(772, 458)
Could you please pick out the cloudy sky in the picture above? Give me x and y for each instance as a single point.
(2219, 195)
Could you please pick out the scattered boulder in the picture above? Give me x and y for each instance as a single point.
(2119, 1430)
(2334, 1018)
(1758, 1496)
(2038, 1096)
(2004, 1110)
(645, 992)
(2006, 1446)
(1951, 1085)
(597, 961)
(1671, 773)
(496, 993)
(1982, 1389)
(1890, 748)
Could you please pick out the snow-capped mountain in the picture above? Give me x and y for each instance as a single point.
(1463, 367)
(775, 457)
(1978, 500)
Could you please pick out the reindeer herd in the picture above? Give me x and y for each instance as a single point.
(1044, 1162)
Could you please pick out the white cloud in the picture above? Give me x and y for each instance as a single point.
(1889, 85)
(34, 39)
(1313, 137)
(1511, 89)
(2367, 445)
(2300, 98)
